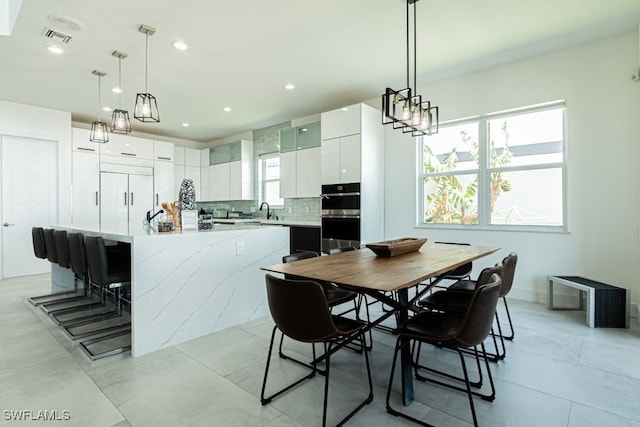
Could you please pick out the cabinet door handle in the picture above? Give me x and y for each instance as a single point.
(132, 198)
(157, 197)
(164, 158)
(96, 198)
(125, 198)
(128, 154)
(86, 149)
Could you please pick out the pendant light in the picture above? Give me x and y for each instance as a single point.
(403, 108)
(120, 122)
(99, 128)
(146, 109)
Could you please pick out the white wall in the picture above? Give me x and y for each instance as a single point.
(603, 111)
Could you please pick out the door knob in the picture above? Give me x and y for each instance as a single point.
(6, 224)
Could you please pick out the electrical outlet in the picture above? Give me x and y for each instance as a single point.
(240, 248)
(635, 75)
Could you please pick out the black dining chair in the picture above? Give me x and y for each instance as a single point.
(300, 311)
(454, 330)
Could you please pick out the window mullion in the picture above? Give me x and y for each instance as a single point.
(484, 179)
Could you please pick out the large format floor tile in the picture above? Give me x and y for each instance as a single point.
(557, 372)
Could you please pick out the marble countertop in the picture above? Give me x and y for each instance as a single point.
(284, 222)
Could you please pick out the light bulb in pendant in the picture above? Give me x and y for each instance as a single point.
(415, 117)
(424, 124)
(406, 114)
(146, 108)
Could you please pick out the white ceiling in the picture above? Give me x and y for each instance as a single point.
(242, 53)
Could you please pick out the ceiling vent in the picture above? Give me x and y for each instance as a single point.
(56, 35)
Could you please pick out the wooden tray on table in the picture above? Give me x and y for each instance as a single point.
(397, 247)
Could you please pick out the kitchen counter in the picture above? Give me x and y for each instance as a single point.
(188, 284)
(284, 222)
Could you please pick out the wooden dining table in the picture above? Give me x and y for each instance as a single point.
(364, 272)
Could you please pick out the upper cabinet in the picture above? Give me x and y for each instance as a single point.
(230, 172)
(81, 141)
(164, 151)
(300, 161)
(352, 145)
(128, 146)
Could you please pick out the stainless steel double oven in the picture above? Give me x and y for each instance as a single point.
(340, 216)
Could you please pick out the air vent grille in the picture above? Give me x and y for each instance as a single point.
(56, 35)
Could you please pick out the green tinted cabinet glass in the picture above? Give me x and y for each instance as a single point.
(308, 136)
(220, 154)
(235, 153)
(287, 140)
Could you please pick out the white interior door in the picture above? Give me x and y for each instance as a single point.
(29, 199)
(114, 199)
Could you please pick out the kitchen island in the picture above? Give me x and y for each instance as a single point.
(188, 284)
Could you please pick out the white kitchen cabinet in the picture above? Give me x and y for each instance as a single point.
(80, 141)
(163, 183)
(128, 146)
(125, 198)
(220, 182)
(192, 157)
(330, 161)
(205, 183)
(308, 172)
(341, 122)
(164, 151)
(179, 156)
(86, 187)
(204, 157)
(288, 174)
(180, 174)
(350, 159)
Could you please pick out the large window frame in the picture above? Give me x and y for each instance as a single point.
(484, 172)
(266, 180)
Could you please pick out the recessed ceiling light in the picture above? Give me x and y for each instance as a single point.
(289, 86)
(106, 108)
(179, 45)
(185, 124)
(227, 109)
(305, 129)
(55, 49)
(344, 109)
(116, 89)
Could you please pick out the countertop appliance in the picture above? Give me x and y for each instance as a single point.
(340, 216)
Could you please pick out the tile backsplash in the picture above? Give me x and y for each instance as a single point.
(265, 141)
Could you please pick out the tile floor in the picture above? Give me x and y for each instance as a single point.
(557, 372)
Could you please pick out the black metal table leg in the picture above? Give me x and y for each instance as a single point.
(405, 352)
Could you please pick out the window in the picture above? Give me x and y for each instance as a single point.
(499, 170)
(269, 173)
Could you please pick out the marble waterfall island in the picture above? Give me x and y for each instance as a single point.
(189, 284)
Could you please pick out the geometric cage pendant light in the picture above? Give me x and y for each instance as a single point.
(99, 128)
(120, 122)
(403, 108)
(146, 109)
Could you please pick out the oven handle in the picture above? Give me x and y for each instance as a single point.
(327, 195)
(340, 216)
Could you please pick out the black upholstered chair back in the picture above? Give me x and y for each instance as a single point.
(508, 272)
(299, 309)
(39, 249)
(97, 261)
(62, 248)
(340, 250)
(479, 317)
(461, 272)
(77, 254)
(485, 275)
(50, 245)
(298, 256)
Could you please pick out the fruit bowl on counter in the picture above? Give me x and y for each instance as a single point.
(390, 248)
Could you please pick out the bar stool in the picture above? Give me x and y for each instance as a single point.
(93, 309)
(110, 277)
(45, 247)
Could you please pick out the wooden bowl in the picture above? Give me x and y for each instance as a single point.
(396, 247)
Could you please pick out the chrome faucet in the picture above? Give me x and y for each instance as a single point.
(268, 211)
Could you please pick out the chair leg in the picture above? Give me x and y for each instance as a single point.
(468, 386)
(326, 384)
(506, 307)
(310, 365)
(265, 400)
(390, 409)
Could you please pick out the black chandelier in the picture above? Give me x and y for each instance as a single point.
(404, 108)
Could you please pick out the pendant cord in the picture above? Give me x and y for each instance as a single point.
(408, 44)
(146, 62)
(415, 86)
(99, 100)
(120, 83)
